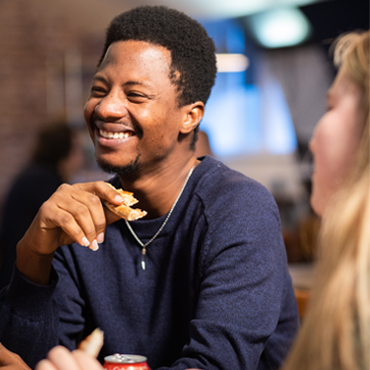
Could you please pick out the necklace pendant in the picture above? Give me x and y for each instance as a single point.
(143, 253)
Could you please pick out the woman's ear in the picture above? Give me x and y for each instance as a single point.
(193, 114)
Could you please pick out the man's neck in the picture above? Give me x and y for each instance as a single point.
(157, 190)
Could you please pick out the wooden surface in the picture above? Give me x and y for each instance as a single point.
(302, 277)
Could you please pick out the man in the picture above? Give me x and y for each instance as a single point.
(202, 280)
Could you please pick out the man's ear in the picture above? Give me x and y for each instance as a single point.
(193, 114)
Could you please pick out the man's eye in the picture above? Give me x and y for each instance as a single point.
(136, 97)
(97, 90)
(135, 94)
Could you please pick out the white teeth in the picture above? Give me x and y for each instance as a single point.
(114, 135)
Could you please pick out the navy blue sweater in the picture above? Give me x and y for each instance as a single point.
(216, 293)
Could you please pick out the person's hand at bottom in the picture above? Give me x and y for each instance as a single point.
(11, 361)
(60, 358)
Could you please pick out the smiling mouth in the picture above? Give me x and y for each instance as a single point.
(114, 135)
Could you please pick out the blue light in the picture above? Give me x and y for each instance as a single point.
(233, 120)
(243, 118)
(280, 27)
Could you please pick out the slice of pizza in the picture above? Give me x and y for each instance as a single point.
(124, 210)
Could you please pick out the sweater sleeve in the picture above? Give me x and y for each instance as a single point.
(29, 319)
(36, 318)
(244, 288)
(71, 302)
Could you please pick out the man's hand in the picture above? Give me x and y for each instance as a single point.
(11, 361)
(59, 358)
(74, 213)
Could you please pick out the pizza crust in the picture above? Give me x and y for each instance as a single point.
(124, 210)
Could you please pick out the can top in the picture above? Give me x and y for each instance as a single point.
(118, 358)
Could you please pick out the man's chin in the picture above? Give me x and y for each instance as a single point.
(118, 170)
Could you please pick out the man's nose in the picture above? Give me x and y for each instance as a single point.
(112, 106)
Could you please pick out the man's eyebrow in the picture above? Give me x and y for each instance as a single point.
(99, 78)
(130, 83)
(127, 83)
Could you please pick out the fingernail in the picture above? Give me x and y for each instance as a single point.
(85, 242)
(94, 245)
(100, 238)
(118, 198)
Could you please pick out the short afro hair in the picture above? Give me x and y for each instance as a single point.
(193, 67)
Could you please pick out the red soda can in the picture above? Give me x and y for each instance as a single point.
(125, 362)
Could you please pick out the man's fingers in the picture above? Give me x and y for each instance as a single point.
(77, 211)
(91, 216)
(111, 217)
(4, 356)
(104, 191)
(101, 191)
(78, 222)
(59, 217)
(10, 360)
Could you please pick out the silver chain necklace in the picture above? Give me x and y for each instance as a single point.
(144, 246)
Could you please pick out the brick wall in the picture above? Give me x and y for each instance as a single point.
(33, 45)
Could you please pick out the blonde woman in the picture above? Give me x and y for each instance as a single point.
(336, 329)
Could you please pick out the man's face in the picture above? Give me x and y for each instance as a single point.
(131, 112)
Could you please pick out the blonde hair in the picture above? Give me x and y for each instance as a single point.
(336, 329)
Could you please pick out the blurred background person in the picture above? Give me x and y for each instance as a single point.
(57, 157)
(335, 331)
